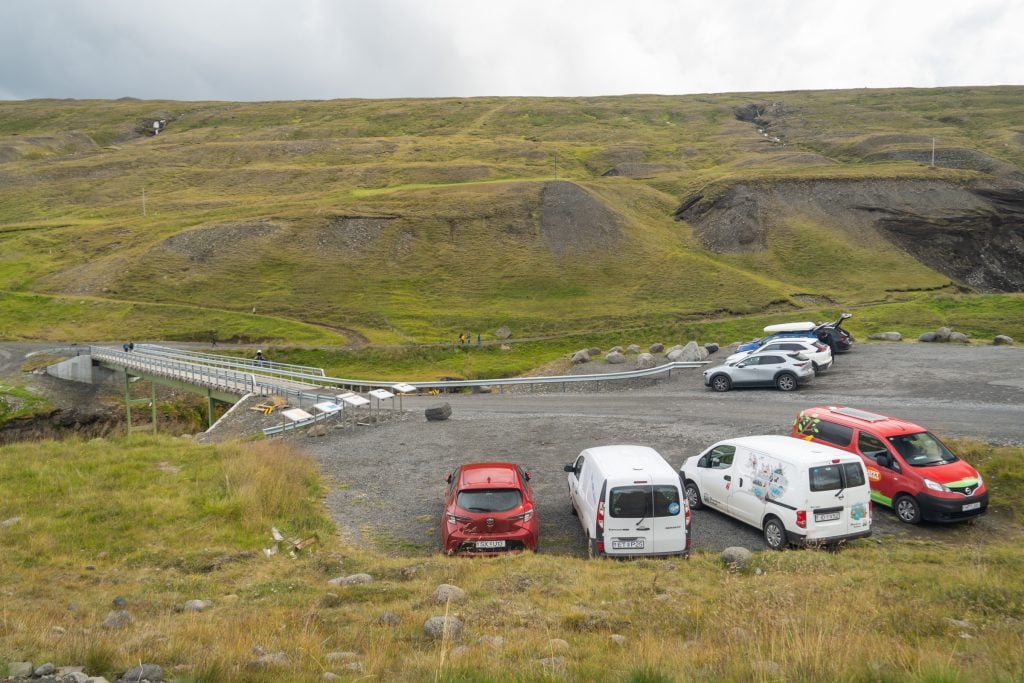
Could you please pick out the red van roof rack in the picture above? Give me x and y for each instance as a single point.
(859, 414)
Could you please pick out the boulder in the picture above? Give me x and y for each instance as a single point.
(20, 669)
(633, 348)
(389, 619)
(886, 336)
(447, 592)
(351, 580)
(615, 349)
(44, 670)
(958, 337)
(443, 627)
(736, 557)
(117, 619)
(644, 361)
(503, 332)
(581, 356)
(688, 354)
(594, 351)
(711, 347)
(196, 605)
(147, 672)
(656, 348)
(615, 357)
(927, 337)
(942, 334)
(1002, 339)
(438, 412)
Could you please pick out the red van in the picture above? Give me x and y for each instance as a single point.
(910, 470)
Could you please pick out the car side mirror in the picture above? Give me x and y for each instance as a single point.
(884, 460)
(526, 476)
(569, 468)
(448, 479)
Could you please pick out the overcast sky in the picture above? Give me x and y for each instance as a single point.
(324, 49)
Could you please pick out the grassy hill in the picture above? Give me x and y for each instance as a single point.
(400, 221)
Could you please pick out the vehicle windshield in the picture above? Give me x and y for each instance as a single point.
(489, 500)
(922, 449)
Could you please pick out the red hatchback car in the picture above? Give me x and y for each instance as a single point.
(488, 509)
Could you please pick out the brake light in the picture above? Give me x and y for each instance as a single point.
(686, 516)
(523, 516)
(801, 519)
(820, 346)
(455, 519)
(600, 516)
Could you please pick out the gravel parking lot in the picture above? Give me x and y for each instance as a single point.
(388, 479)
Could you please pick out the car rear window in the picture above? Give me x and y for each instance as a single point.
(840, 435)
(489, 500)
(836, 477)
(644, 501)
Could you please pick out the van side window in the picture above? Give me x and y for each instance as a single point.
(870, 446)
(854, 473)
(720, 457)
(840, 435)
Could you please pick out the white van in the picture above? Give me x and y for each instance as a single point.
(630, 502)
(800, 494)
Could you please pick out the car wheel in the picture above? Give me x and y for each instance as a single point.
(786, 381)
(693, 496)
(721, 383)
(907, 509)
(774, 534)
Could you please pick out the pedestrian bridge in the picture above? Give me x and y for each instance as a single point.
(229, 378)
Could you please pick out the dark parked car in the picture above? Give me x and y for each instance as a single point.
(488, 509)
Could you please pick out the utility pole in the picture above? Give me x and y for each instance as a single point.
(144, 193)
(933, 151)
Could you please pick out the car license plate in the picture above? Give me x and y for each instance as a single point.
(971, 506)
(483, 545)
(628, 544)
(826, 517)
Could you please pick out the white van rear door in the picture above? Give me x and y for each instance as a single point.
(838, 500)
(628, 526)
(669, 519)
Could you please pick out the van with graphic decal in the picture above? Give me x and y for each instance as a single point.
(808, 495)
(629, 502)
(910, 470)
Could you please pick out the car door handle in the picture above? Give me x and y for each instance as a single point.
(728, 477)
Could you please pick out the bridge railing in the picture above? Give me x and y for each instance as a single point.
(233, 381)
(235, 362)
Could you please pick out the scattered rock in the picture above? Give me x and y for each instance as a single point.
(119, 601)
(580, 357)
(656, 348)
(886, 336)
(552, 664)
(19, 669)
(615, 349)
(148, 672)
(1002, 339)
(961, 624)
(59, 630)
(737, 558)
(389, 619)
(448, 593)
(505, 347)
(267, 660)
(957, 337)
(335, 657)
(459, 652)
(350, 580)
(942, 334)
(633, 348)
(615, 357)
(711, 347)
(196, 605)
(503, 332)
(927, 337)
(443, 627)
(10, 521)
(439, 412)
(645, 361)
(558, 645)
(44, 670)
(617, 639)
(594, 351)
(689, 353)
(328, 676)
(74, 677)
(316, 430)
(117, 619)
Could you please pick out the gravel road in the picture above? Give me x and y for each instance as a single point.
(388, 479)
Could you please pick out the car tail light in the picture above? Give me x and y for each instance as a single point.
(800, 365)
(600, 546)
(801, 519)
(600, 516)
(686, 515)
(523, 516)
(455, 519)
(820, 346)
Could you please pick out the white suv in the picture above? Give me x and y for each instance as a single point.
(819, 354)
(784, 370)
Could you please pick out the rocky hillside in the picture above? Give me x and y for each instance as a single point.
(415, 219)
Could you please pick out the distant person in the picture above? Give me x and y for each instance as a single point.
(125, 347)
(478, 339)
(131, 346)
(259, 359)
(462, 338)
(213, 340)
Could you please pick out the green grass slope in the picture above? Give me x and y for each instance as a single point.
(413, 220)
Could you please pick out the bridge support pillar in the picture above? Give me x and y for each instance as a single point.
(128, 401)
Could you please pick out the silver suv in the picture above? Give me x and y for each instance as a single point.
(785, 371)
